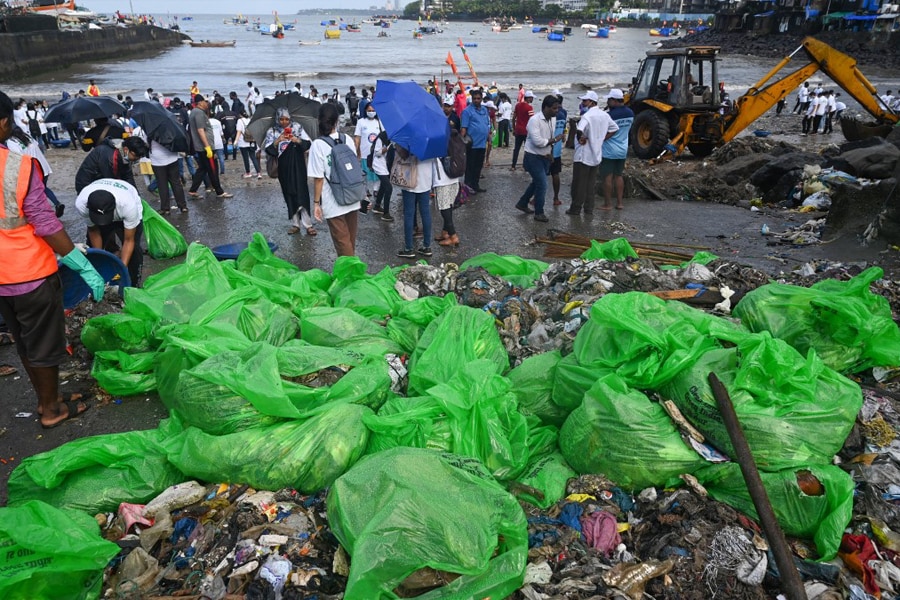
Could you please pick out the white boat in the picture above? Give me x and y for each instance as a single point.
(314, 43)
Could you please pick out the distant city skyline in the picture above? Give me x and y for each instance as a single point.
(191, 7)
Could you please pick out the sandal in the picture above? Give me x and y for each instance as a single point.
(193, 194)
(6, 338)
(72, 408)
(6, 370)
(311, 231)
(293, 230)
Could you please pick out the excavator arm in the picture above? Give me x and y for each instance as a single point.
(840, 67)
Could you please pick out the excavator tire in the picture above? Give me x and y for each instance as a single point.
(650, 134)
(701, 149)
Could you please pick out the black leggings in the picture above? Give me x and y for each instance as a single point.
(383, 196)
(447, 216)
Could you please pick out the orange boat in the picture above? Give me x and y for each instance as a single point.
(42, 5)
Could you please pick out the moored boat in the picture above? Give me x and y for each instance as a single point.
(213, 44)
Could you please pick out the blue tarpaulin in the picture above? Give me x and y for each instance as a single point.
(860, 17)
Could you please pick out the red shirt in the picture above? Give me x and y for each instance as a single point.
(459, 104)
(521, 114)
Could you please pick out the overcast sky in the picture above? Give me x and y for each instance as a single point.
(186, 7)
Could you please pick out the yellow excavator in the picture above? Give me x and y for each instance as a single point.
(679, 102)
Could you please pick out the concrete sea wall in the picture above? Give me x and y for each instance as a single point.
(28, 54)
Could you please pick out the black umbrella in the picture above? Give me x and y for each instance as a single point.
(303, 110)
(160, 125)
(84, 108)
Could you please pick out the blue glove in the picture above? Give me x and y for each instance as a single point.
(77, 261)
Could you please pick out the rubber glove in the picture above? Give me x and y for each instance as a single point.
(77, 261)
(208, 152)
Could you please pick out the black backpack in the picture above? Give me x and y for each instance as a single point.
(455, 162)
(34, 128)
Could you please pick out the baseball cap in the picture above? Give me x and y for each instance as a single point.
(101, 207)
(615, 94)
(448, 102)
(590, 95)
(529, 94)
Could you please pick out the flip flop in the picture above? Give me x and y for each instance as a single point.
(73, 412)
(311, 231)
(6, 370)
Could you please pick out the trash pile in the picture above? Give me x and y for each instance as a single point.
(501, 428)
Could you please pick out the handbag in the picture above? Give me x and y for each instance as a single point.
(272, 166)
(404, 172)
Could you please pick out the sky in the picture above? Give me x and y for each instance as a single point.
(187, 7)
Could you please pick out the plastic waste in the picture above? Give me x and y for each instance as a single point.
(163, 240)
(521, 272)
(173, 497)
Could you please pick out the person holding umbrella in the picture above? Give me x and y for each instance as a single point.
(31, 296)
(202, 136)
(288, 142)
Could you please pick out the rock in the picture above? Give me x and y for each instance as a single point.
(769, 175)
(874, 162)
(742, 167)
(852, 207)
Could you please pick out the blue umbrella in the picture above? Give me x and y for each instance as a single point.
(412, 118)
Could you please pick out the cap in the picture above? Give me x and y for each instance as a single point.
(529, 94)
(101, 207)
(489, 104)
(590, 95)
(198, 98)
(615, 94)
(448, 102)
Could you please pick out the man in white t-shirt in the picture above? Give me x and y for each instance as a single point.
(594, 127)
(113, 210)
(367, 130)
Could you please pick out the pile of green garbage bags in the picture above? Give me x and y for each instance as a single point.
(410, 412)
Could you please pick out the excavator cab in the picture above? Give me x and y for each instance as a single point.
(676, 90)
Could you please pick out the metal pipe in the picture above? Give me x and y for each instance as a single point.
(791, 583)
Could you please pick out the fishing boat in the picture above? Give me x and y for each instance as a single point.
(332, 34)
(664, 32)
(602, 32)
(236, 20)
(554, 36)
(213, 44)
(188, 18)
(314, 43)
(612, 28)
(353, 28)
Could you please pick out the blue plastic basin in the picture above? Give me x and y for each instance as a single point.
(111, 269)
(231, 251)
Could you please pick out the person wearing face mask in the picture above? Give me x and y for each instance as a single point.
(288, 142)
(366, 133)
(114, 215)
(108, 161)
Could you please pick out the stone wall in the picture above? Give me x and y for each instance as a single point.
(28, 54)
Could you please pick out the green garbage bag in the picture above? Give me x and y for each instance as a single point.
(474, 414)
(821, 516)
(116, 331)
(532, 383)
(163, 240)
(521, 272)
(344, 328)
(591, 438)
(407, 509)
(257, 257)
(544, 481)
(849, 327)
(700, 258)
(572, 381)
(793, 410)
(616, 250)
(172, 296)
(454, 339)
(640, 337)
(254, 315)
(96, 474)
(372, 296)
(50, 553)
(124, 374)
(411, 318)
(307, 455)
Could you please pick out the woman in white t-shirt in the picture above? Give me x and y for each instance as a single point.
(247, 147)
(379, 167)
(342, 220)
(164, 163)
(416, 197)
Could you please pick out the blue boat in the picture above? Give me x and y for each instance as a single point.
(538, 29)
(556, 37)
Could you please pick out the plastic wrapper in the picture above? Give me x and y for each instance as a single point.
(849, 327)
(51, 553)
(817, 507)
(402, 510)
(654, 454)
(793, 410)
(96, 474)
(521, 272)
(616, 250)
(306, 455)
(163, 240)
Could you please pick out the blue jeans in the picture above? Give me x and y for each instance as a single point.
(538, 168)
(220, 156)
(410, 202)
